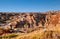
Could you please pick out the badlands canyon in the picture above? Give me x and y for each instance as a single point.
(30, 23)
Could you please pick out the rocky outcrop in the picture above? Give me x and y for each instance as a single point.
(28, 20)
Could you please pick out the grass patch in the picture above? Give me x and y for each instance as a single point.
(9, 36)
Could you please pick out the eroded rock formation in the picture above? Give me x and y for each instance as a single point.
(30, 19)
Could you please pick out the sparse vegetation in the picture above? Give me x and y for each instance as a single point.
(46, 33)
(51, 33)
(5, 36)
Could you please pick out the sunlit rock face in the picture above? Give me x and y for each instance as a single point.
(30, 19)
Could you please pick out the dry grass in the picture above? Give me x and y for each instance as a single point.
(47, 33)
